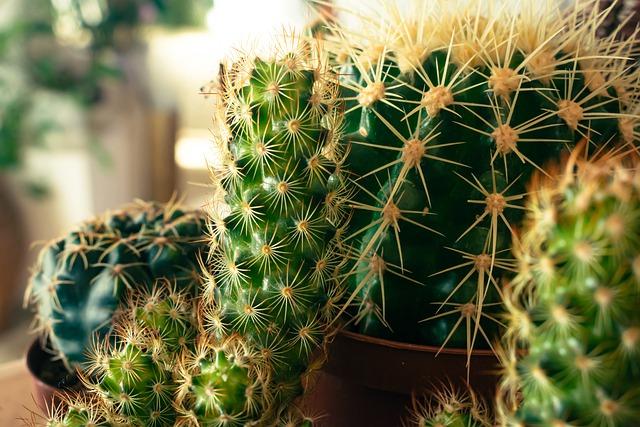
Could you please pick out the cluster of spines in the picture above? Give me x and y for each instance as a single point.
(573, 343)
(450, 107)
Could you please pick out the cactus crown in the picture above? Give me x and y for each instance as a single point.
(450, 107)
(573, 302)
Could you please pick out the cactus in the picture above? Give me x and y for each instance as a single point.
(573, 305)
(77, 410)
(132, 369)
(448, 408)
(275, 250)
(159, 368)
(450, 108)
(81, 278)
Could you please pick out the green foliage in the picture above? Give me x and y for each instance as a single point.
(81, 278)
(450, 108)
(573, 310)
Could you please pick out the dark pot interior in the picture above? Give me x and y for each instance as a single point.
(370, 382)
(48, 376)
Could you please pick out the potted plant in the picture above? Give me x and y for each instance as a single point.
(81, 278)
(449, 110)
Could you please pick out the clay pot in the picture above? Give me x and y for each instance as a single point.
(48, 377)
(12, 256)
(370, 381)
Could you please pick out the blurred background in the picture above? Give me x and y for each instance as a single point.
(100, 104)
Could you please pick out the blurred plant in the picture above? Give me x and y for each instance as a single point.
(115, 23)
(59, 51)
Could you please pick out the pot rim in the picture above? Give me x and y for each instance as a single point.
(414, 347)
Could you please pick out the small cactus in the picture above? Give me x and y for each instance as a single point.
(159, 368)
(81, 278)
(132, 370)
(573, 344)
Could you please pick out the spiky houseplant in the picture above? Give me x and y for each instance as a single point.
(81, 278)
(450, 108)
(276, 246)
(573, 307)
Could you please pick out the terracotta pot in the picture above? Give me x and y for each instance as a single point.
(370, 381)
(12, 256)
(48, 377)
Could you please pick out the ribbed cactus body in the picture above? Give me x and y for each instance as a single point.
(573, 314)
(275, 251)
(451, 106)
(82, 277)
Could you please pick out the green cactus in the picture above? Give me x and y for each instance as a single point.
(573, 344)
(132, 369)
(220, 386)
(450, 108)
(82, 277)
(276, 248)
(448, 408)
(157, 368)
(77, 410)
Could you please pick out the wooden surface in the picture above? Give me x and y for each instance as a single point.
(16, 401)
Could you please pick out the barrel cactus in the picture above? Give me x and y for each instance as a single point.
(81, 278)
(574, 327)
(280, 201)
(450, 108)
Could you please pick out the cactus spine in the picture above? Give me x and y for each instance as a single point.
(450, 108)
(573, 307)
(82, 277)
